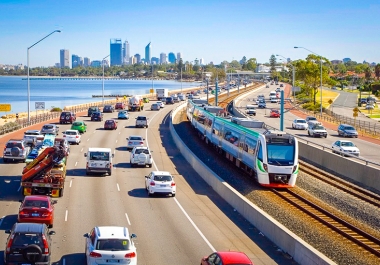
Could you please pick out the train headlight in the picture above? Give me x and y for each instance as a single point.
(294, 168)
(265, 167)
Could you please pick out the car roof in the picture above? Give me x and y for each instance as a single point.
(98, 149)
(135, 136)
(32, 131)
(112, 232)
(29, 227)
(234, 257)
(72, 131)
(157, 173)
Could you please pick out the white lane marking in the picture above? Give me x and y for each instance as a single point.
(71, 183)
(126, 215)
(19, 188)
(76, 163)
(179, 205)
(116, 141)
(94, 131)
(67, 213)
(118, 187)
(81, 149)
(88, 139)
(119, 132)
(114, 151)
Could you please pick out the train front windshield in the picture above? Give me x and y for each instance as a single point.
(280, 154)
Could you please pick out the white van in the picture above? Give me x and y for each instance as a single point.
(99, 160)
(272, 94)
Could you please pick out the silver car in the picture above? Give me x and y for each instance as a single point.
(30, 136)
(155, 106)
(134, 140)
(50, 129)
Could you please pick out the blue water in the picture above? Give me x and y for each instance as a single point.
(61, 93)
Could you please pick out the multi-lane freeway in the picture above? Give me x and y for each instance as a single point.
(169, 230)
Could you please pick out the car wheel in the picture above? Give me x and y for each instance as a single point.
(150, 194)
(150, 165)
(147, 126)
(344, 135)
(173, 194)
(308, 133)
(325, 136)
(5, 160)
(50, 226)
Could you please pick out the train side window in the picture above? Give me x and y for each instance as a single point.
(260, 152)
(251, 145)
(217, 129)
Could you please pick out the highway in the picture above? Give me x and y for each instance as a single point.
(178, 230)
(368, 150)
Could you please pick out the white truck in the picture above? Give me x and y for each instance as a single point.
(162, 93)
(135, 103)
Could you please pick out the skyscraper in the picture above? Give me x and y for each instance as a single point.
(138, 58)
(126, 53)
(179, 56)
(171, 57)
(86, 62)
(155, 60)
(148, 53)
(162, 58)
(75, 61)
(64, 58)
(116, 52)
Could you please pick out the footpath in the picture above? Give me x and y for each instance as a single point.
(327, 122)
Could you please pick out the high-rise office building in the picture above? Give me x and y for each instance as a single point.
(163, 58)
(96, 63)
(116, 52)
(138, 58)
(155, 60)
(171, 57)
(126, 53)
(148, 53)
(64, 58)
(75, 61)
(179, 56)
(201, 61)
(86, 62)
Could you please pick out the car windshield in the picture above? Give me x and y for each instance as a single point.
(349, 128)
(77, 124)
(301, 121)
(112, 244)
(162, 178)
(347, 144)
(21, 239)
(100, 156)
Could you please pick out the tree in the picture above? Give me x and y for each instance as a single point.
(251, 64)
(180, 65)
(272, 62)
(243, 60)
(377, 71)
(235, 64)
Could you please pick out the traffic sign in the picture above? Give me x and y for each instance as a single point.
(330, 101)
(151, 91)
(296, 89)
(39, 105)
(355, 110)
(5, 107)
(355, 114)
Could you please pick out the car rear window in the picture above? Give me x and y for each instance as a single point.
(162, 178)
(141, 151)
(31, 133)
(21, 239)
(100, 156)
(141, 118)
(109, 121)
(48, 126)
(71, 133)
(112, 244)
(135, 138)
(14, 144)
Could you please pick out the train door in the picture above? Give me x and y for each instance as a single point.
(242, 147)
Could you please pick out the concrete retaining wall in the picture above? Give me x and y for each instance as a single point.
(290, 243)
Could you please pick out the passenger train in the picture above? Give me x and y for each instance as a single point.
(270, 156)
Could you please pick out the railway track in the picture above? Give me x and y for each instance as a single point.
(338, 183)
(350, 232)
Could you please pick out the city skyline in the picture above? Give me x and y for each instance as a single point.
(215, 30)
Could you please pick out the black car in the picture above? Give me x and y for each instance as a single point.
(28, 243)
(92, 110)
(108, 108)
(67, 117)
(169, 100)
(97, 116)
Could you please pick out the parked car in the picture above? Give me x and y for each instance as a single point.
(123, 115)
(110, 125)
(28, 243)
(317, 130)
(16, 150)
(37, 209)
(80, 126)
(97, 116)
(141, 121)
(155, 106)
(72, 136)
(50, 129)
(274, 113)
(141, 156)
(160, 182)
(347, 130)
(120, 105)
(169, 100)
(67, 117)
(300, 124)
(369, 107)
(108, 108)
(345, 147)
(92, 110)
(110, 245)
(134, 140)
(31, 136)
(227, 257)
(363, 100)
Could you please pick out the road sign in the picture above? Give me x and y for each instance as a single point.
(151, 91)
(39, 105)
(330, 101)
(355, 114)
(296, 89)
(5, 107)
(355, 110)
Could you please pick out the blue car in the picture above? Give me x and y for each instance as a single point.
(33, 154)
(123, 115)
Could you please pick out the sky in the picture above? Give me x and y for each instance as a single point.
(215, 30)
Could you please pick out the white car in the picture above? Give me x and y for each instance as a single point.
(345, 147)
(31, 136)
(317, 130)
(161, 104)
(134, 140)
(72, 136)
(141, 156)
(160, 182)
(110, 245)
(299, 124)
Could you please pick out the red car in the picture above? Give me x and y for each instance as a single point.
(275, 113)
(36, 209)
(110, 125)
(120, 105)
(227, 257)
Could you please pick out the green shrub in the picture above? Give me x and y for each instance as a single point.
(56, 109)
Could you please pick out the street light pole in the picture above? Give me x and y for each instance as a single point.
(27, 59)
(320, 59)
(103, 80)
(293, 77)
